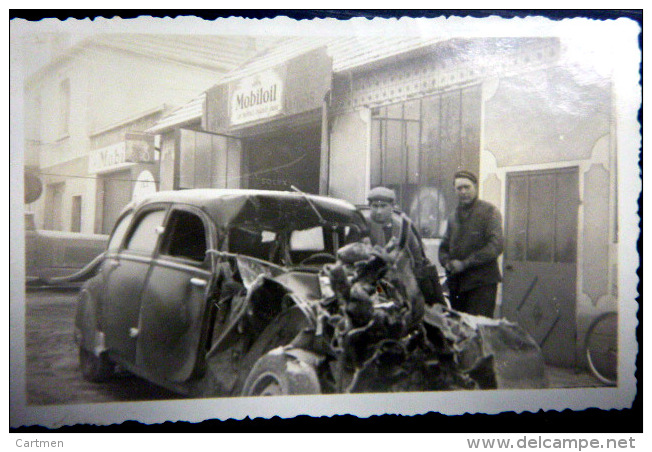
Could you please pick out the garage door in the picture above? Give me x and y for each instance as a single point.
(117, 194)
(540, 260)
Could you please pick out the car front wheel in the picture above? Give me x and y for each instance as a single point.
(279, 374)
(95, 368)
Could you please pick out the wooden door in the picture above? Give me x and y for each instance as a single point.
(540, 259)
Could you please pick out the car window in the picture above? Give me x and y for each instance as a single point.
(185, 236)
(143, 239)
(119, 232)
(251, 242)
(307, 240)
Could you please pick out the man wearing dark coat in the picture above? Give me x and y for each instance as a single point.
(470, 248)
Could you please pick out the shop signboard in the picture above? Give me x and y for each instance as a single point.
(139, 147)
(257, 97)
(296, 85)
(107, 158)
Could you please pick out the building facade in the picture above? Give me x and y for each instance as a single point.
(87, 111)
(340, 116)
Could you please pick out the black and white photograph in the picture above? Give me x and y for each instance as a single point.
(361, 216)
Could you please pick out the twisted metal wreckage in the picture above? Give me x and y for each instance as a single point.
(375, 332)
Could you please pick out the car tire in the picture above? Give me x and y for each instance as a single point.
(95, 368)
(277, 373)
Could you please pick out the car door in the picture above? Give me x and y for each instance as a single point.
(174, 302)
(125, 273)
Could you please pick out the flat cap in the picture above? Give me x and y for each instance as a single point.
(467, 175)
(382, 194)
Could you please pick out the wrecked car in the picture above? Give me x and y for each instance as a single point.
(241, 292)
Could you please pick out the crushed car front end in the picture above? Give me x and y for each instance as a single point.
(374, 332)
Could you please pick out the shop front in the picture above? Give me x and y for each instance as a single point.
(125, 170)
(411, 121)
(65, 203)
(288, 157)
(556, 185)
(336, 122)
(273, 113)
(417, 144)
(541, 139)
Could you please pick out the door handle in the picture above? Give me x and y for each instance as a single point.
(198, 282)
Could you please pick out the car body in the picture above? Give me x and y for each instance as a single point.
(52, 255)
(213, 292)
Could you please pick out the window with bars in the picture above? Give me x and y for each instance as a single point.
(416, 147)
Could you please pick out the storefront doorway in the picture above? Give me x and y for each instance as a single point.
(54, 206)
(281, 159)
(117, 187)
(540, 259)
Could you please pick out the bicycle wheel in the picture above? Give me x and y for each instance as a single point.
(602, 348)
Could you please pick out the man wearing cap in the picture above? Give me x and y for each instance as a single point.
(470, 248)
(385, 223)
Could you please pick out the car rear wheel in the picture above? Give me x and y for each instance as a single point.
(95, 368)
(279, 374)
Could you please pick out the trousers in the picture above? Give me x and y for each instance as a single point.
(477, 301)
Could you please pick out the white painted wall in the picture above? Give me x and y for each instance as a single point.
(107, 87)
(349, 156)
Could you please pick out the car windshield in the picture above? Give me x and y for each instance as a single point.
(291, 245)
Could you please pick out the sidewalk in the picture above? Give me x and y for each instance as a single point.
(564, 377)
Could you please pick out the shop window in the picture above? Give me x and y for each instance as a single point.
(144, 237)
(279, 160)
(416, 147)
(185, 236)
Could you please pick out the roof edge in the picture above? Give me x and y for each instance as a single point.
(127, 120)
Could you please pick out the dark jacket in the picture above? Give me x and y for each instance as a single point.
(474, 236)
(406, 235)
(382, 234)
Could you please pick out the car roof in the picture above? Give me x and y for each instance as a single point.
(235, 206)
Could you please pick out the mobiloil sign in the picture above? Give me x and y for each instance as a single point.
(257, 97)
